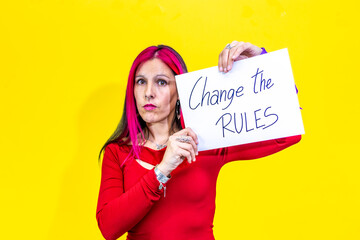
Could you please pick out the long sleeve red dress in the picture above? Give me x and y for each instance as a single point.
(130, 199)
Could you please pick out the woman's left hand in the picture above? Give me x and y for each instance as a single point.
(236, 51)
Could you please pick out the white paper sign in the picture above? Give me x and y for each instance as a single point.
(255, 101)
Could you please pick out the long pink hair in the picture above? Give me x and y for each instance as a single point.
(131, 124)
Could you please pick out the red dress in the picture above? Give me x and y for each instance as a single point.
(130, 199)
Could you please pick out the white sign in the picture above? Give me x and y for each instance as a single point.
(255, 101)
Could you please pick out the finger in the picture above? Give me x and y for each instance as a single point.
(247, 50)
(230, 61)
(233, 46)
(220, 62)
(186, 135)
(182, 153)
(188, 140)
(187, 132)
(234, 43)
(194, 146)
(239, 50)
(192, 134)
(190, 150)
(194, 139)
(224, 59)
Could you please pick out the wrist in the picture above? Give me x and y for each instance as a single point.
(163, 169)
(162, 179)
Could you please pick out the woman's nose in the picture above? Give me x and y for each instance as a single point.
(149, 93)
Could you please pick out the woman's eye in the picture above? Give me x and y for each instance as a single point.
(140, 81)
(162, 82)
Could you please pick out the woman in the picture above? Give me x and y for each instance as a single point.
(155, 184)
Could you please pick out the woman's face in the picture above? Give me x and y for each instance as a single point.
(155, 92)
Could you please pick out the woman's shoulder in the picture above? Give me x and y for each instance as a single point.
(116, 147)
(116, 152)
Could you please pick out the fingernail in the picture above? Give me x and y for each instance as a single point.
(228, 68)
(197, 153)
(221, 69)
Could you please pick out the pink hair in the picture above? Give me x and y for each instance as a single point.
(174, 61)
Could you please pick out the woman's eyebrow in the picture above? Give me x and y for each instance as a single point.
(162, 75)
(156, 76)
(140, 76)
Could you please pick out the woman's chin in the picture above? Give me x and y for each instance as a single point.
(151, 119)
(154, 120)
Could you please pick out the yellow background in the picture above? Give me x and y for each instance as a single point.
(63, 70)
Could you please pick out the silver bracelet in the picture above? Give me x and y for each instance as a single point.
(161, 178)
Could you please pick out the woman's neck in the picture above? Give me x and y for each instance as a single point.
(158, 133)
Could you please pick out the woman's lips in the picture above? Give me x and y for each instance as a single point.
(149, 107)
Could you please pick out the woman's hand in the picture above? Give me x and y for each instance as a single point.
(236, 51)
(180, 145)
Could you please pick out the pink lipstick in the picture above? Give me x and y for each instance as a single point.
(149, 107)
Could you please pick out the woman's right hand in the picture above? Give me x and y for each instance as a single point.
(236, 51)
(181, 145)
